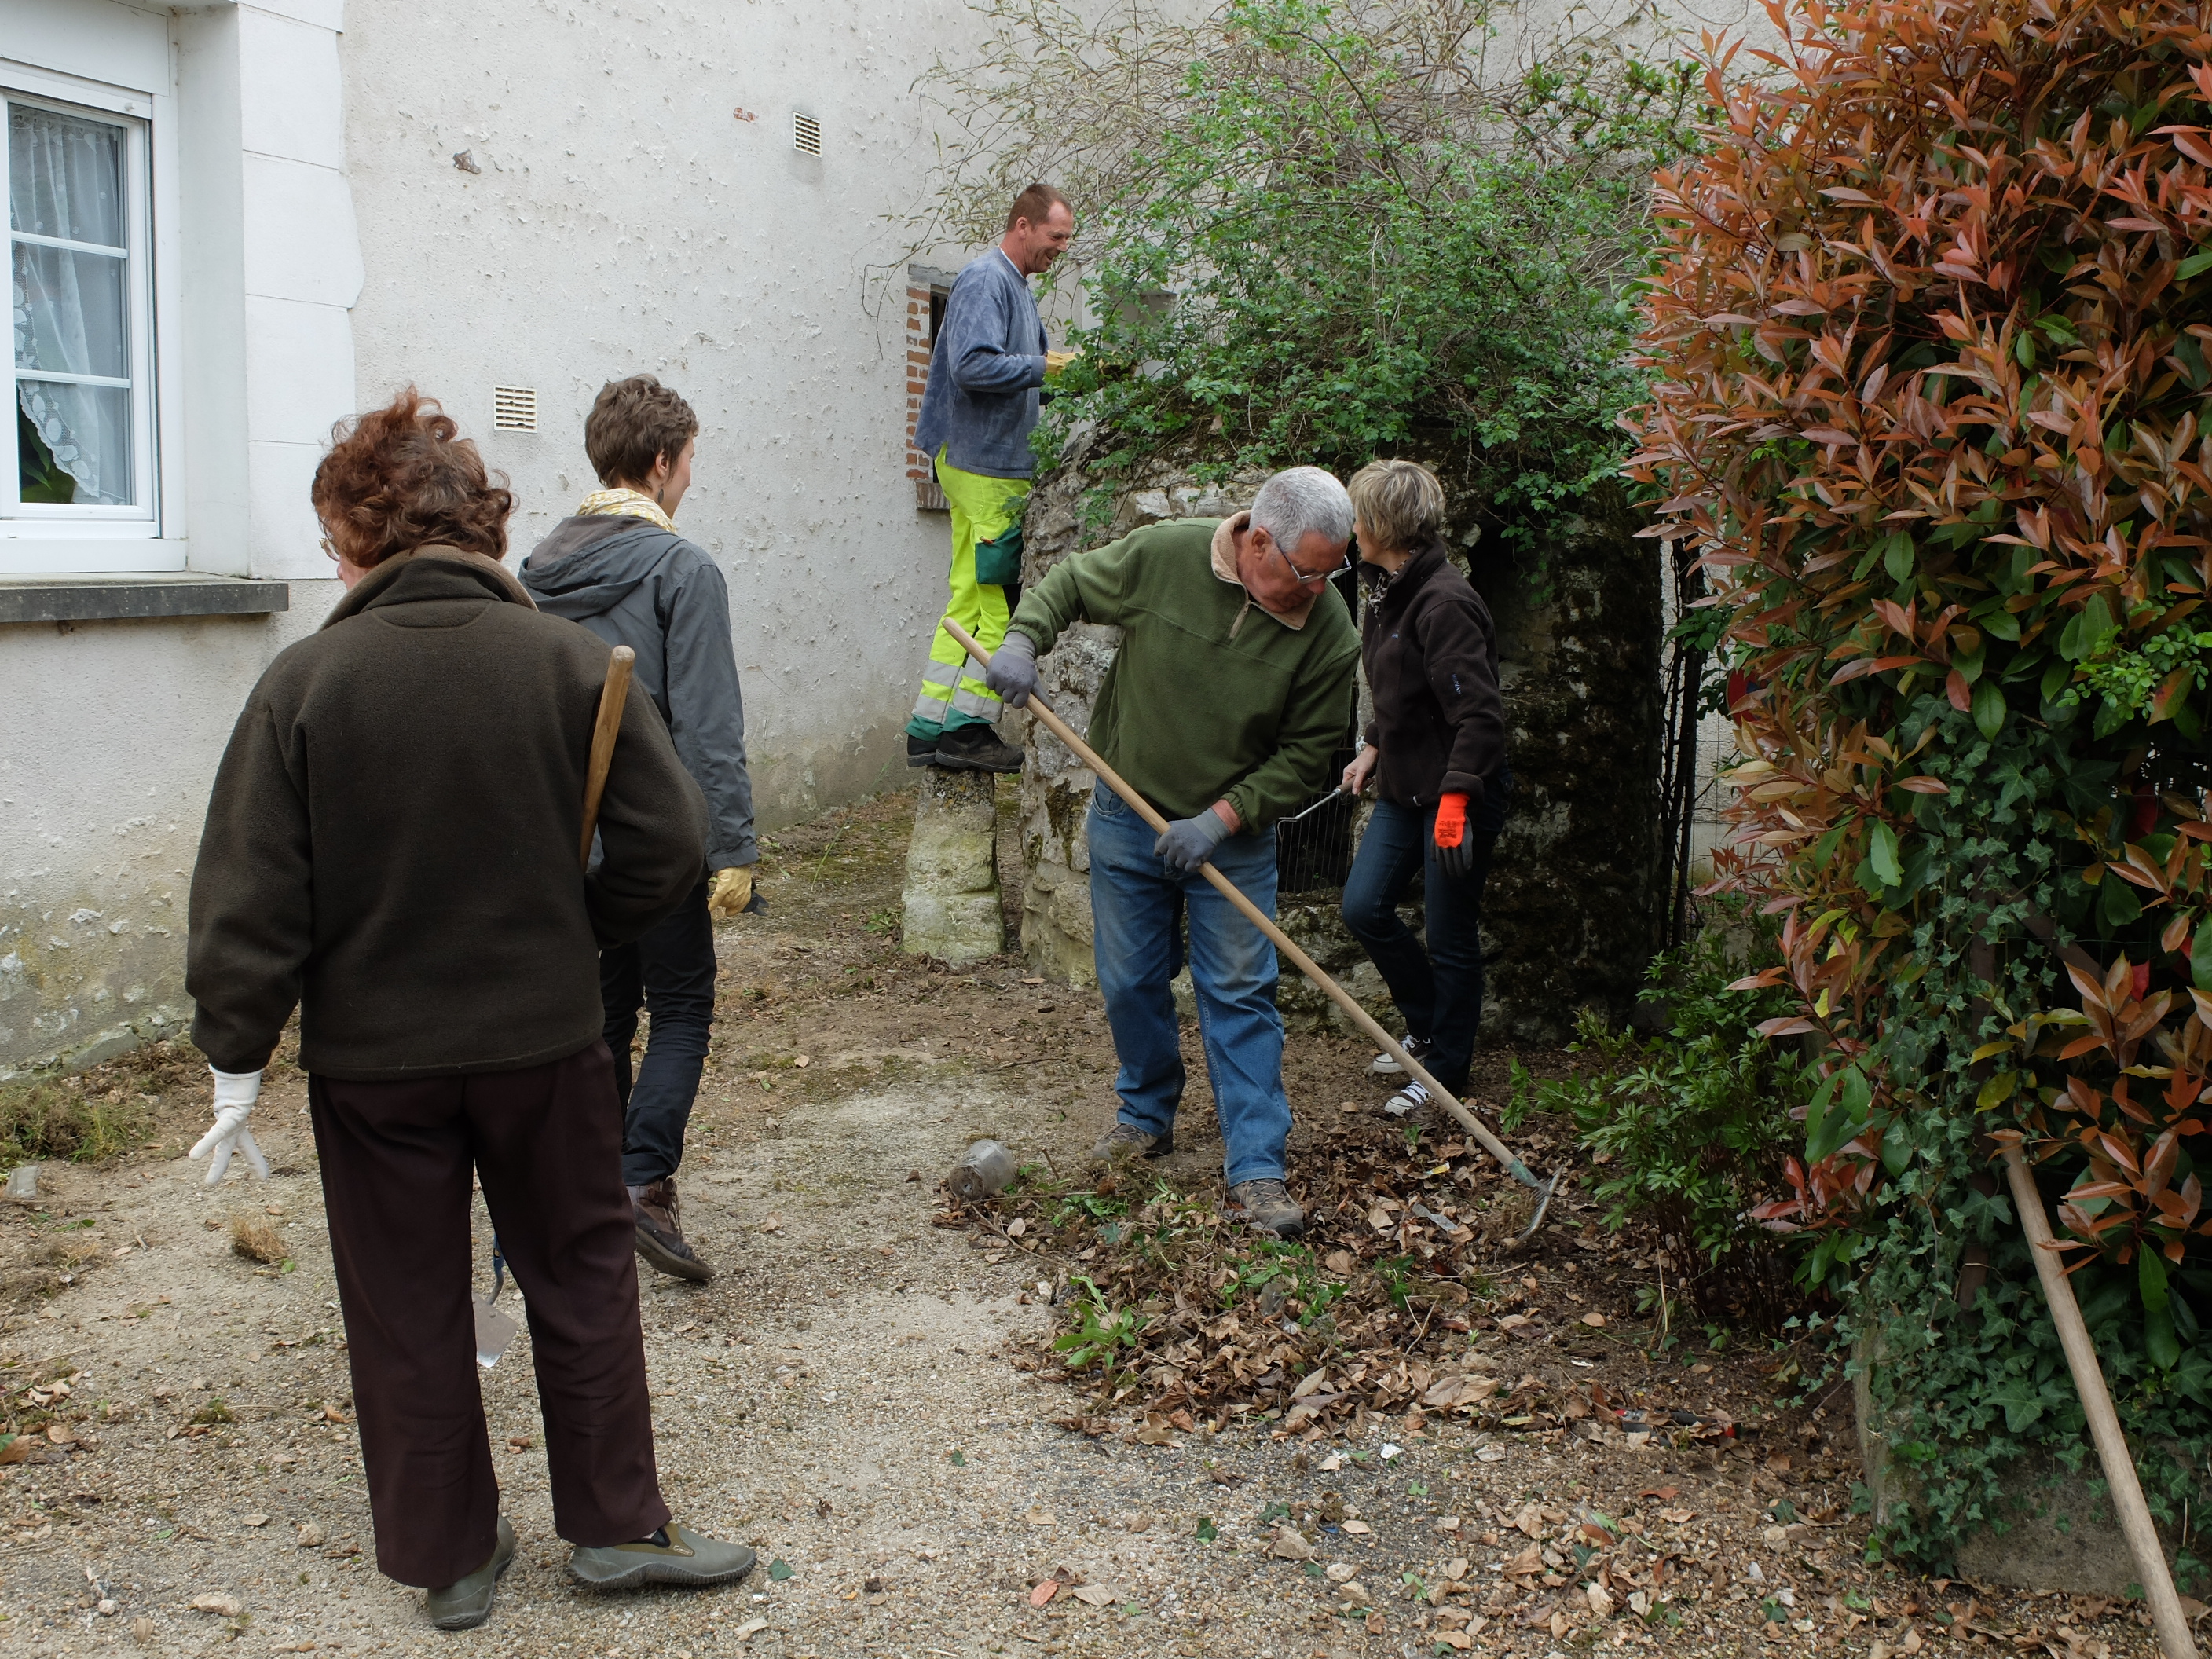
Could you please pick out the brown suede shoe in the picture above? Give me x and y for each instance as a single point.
(660, 1231)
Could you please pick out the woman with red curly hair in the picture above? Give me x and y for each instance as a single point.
(391, 848)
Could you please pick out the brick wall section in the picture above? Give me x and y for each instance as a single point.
(926, 496)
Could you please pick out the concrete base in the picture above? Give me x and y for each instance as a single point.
(2062, 1537)
(952, 870)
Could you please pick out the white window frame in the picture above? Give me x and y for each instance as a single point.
(39, 537)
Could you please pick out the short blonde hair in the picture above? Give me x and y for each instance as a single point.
(1400, 502)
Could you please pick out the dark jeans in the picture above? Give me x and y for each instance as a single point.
(670, 973)
(396, 1158)
(1440, 990)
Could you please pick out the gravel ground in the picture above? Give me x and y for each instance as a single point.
(844, 1398)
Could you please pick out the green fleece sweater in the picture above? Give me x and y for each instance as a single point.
(1210, 697)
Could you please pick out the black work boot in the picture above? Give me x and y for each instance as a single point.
(660, 1231)
(921, 751)
(977, 749)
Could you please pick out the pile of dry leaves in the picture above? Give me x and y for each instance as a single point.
(1174, 1309)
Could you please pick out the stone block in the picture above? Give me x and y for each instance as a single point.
(2063, 1534)
(951, 897)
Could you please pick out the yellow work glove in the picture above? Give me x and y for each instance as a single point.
(731, 890)
(1056, 360)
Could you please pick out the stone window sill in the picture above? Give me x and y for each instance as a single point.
(112, 597)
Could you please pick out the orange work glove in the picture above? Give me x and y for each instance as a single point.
(1455, 849)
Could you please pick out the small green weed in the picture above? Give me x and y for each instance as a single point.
(1101, 1332)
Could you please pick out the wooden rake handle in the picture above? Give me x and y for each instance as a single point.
(1282, 941)
(2112, 1452)
(612, 695)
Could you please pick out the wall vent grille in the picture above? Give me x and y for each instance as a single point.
(514, 408)
(806, 134)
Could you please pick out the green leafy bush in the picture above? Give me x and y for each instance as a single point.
(1317, 233)
(1691, 1129)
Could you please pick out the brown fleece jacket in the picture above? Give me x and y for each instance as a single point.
(391, 845)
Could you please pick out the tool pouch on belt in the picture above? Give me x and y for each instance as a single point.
(998, 560)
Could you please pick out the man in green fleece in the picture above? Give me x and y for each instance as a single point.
(1229, 695)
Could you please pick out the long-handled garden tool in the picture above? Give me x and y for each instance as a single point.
(612, 695)
(2119, 1464)
(1283, 942)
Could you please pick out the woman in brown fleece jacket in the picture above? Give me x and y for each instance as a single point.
(391, 847)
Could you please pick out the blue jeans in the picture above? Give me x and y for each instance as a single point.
(1440, 990)
(671, 974)
(1136, 903)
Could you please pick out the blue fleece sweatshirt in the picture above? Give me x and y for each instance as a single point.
(981, 399)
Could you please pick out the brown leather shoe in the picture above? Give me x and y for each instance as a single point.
(660, 1231)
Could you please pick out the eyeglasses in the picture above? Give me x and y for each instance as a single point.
(330, 549)
(1308, 579)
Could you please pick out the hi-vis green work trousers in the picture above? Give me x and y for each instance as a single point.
(987, 562)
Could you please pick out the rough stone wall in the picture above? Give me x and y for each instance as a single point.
(1568, 916)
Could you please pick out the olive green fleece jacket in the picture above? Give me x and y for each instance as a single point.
(1210, 697)
(391, 842)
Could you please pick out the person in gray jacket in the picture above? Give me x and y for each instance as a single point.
(619, 568)
(978, 409)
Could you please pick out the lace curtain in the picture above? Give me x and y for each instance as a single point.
(71, 308)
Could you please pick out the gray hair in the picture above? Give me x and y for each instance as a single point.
(1299, 500)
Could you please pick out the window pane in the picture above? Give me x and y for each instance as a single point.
(70, 315)
(74, 443)
(65, 176)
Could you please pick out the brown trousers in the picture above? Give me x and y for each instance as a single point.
(546, 1141)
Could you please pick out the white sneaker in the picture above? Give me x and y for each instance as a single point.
(1408, 1100)
(1384, 1066)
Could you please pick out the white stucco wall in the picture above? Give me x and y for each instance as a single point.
(329, 251)
(626, 219)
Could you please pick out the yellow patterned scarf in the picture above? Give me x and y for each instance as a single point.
(624, 504)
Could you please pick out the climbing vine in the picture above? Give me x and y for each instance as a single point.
(1927, 340)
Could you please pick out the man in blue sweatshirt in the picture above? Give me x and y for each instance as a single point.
(619, 568)
(977, 410)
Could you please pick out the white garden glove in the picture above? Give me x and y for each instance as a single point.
(234, 1095)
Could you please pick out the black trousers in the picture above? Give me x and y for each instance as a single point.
(670, 973)
(396, 1158)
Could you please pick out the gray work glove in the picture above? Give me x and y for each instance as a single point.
(1189, 843)
(1013, 673)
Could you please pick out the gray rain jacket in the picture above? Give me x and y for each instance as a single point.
(633, 583)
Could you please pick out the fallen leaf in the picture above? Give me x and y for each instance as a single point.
(519, 1442)
(257, 1521)
(1457, 1567)
(1448, 1523)
(778, 1570)
(1338, 1571)
(1375, 1625)
(61, 1434)
(1338, 1261)
(1358, 1528)
(1678, 1517)
(1096, 1595)
(225, 1606)
(1044, 1592)
(1527, 1563)
(749, 1629)
(1017, 1227)
(311, 1535)
(1530, 1520)
(1663, 1493)
(1595, 1320)
(802, 1062)
(1290, 1546)
(19, 1448)
(1600, 1604)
